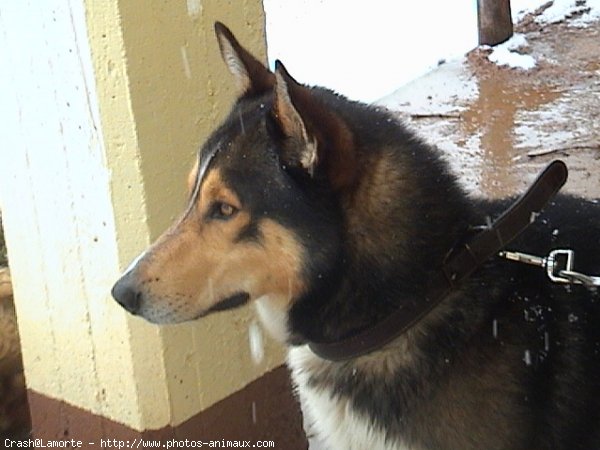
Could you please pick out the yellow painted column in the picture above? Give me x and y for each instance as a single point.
(111, 103)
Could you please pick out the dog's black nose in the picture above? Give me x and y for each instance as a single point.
(127, 294)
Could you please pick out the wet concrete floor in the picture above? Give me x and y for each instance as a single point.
(499, 126)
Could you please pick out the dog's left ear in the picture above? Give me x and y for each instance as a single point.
(316, 138)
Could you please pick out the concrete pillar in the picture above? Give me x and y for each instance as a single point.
(105, 103)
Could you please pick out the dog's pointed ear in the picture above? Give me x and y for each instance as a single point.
(301, 150)
(251, 76)
(316, 138)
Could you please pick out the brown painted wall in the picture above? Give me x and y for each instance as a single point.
(276, 418)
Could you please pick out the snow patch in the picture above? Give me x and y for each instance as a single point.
(515, 42)
(559, 11)
(587, 18)
(504, 57)
(505, 54)
(520, 8)
(436, 92)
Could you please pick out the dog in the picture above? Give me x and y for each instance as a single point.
(329, 215)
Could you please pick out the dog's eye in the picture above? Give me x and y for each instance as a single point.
(222, 210)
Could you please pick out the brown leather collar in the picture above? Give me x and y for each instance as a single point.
(459, 265)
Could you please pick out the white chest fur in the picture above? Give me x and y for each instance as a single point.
(333, 420)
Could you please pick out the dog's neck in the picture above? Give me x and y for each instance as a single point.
(401, 221)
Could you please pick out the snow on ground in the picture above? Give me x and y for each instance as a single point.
(426, 95)
(366, 51)
(519, 8)
(561, 9)
(506, 54)
(558, 11)
(591, 16)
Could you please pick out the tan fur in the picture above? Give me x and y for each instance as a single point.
(198, 262)
(369, 215)
(191, 180)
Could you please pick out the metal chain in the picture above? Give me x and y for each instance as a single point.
(558, 264)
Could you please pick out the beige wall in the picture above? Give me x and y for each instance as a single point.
(178, 91)
(129, 91)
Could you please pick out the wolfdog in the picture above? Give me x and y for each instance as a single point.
(330, 216)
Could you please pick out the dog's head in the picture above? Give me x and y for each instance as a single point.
(263, 211)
